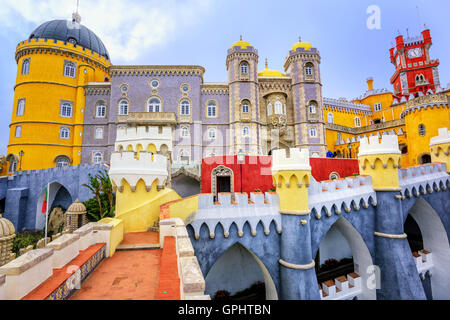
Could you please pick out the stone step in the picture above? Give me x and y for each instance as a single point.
(143, 246)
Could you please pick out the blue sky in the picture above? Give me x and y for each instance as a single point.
(200, 32)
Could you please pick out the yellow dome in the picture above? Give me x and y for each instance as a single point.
(241, 43)
(305, 45)
(270, 73)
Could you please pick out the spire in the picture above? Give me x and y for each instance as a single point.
(267, 64)
(299, 39)
(76, 16)
(241, 37)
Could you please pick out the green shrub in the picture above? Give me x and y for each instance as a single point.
(25, 238)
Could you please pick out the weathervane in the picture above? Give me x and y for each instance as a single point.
(76, 16)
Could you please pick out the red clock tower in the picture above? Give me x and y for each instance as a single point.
(415, 72)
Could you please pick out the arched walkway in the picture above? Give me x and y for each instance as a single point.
(362, 260)
(58, 195)
(238, 268)
(435, 240)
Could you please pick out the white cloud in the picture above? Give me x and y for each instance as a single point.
(127, 28)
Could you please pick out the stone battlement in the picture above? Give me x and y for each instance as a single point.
(144, 136)
(298, 160)
(373, 145)
(259, 208)
(149, 167)
(423, 179)
(346, 193)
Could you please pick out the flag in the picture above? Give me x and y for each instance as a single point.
(44, 203)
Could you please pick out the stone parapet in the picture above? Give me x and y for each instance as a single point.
(428, 178)
(373, 145)
(297, 160)
(65, 249)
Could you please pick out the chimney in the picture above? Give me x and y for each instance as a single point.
(370, 83)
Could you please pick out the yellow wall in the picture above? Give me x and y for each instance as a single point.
(292, 190)
(116, 235)
(184, 207)
(383, 168)
(139, 210)
(43, 89)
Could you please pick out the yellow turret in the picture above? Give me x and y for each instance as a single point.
(291, 177)
(440, 147)
(381, 161)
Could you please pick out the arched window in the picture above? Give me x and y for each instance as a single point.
(12, 166)
(269, 109)
(97, 157)
(245, 106)
(245, 131)
(184, 132)
(212, 133)
(25, 67)
(421, 130)
(69, 69)
(66, 109)
(123, 107)
(62, 161)
(312, 107)
(211, 109)
(278, 107)
(244, 68)
(64, 133)
(21, 107)
(330, 117)
(313, 132)
(357, 122)
(100, 109)
(184, 157)
(18, 132)
(99, 133)
(309, 69)
(185, 108)
(154, 105)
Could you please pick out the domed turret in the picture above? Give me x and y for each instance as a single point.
(70, 31)
(242, 44)
(300, 44)
(270, 73)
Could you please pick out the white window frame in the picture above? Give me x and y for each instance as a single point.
(186, 154)
(96, 159)
(357, 122)
(377, 107)
(245, 105)
(278, 106)
(63, 160)
(154, 104)
(311, 131)
(18, 132)
(212, 106)
(69, 69)
(330, 116)
(185, 107)
(309, 69)
(312, 108)
(123, 106)
(20, 107)
(269, 109)
(25, 67)
(97, 131)
(64, 133)
(244, 67)
(100, 109)
(245, 133)
(184, 132)
(212, 137)
(66, 109)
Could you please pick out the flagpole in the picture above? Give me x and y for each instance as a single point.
(46, 213)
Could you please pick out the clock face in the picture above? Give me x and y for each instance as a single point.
(415, 53)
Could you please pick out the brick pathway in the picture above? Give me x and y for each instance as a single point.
(127, 275)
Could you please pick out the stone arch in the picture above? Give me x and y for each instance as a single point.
(221, 171)
(362, 258)
(251, 269)
(435, 240)
(58, 194)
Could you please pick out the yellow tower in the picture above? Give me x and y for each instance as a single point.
(54, 64)
(380, 160)
(291, 177)
(440, 147)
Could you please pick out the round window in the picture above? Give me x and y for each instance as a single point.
(124, 88)
(185, 88)
(154, 84)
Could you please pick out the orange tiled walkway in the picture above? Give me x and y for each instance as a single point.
(127, 275)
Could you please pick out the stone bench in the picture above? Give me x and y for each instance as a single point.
(66, 248)
(26, 273)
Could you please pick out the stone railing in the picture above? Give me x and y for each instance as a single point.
(423, 179)
(260, 207)
(342, 288)
(347, 193)
(149, 118)
(192, 282)
(424, 262)
(366, 129)
(24, 274)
